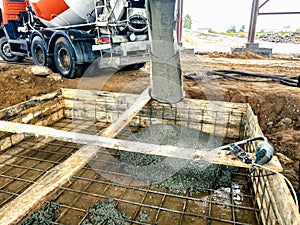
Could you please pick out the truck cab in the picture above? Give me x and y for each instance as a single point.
(10, 21)
(10, 9)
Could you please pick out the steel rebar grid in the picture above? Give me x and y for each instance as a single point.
(181, 213)
(147, 191)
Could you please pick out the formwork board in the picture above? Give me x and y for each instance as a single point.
(25, 159)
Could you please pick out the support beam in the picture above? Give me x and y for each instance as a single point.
(262, 5)
(180, 21)
(278, 13)
(253, 21)
(250, 45)
(138, 147)
(34, 196)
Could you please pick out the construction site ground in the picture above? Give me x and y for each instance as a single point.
(276, 105)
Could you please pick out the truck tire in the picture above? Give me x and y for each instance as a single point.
(5, 52)
(39, 54)
(64, 59)
(39, 51)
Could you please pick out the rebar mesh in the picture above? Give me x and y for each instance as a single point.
(29, 158)
(91, 185)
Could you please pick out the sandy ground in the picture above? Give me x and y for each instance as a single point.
(277, 106)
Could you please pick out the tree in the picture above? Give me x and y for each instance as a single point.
(187, 21)
(231, 30)
(242, 30)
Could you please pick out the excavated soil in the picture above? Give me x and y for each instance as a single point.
(236, 55)
(277, 106)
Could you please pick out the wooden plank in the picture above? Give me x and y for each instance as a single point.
(218, 118)
(21, 107)
(252, 120)
(126, 117)
(10, 140)
(265, 200)
(168, 151)
(167, 112)
(284, 201)
(91, 95)
(230, 131)
(7, 142)
(230, 160)
(286, 209)
(36, 112)
(220, 124)
(42, 110)
(8, 157)
(34, 196)
(44, 114)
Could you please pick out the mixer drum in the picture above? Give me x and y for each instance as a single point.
(62, 12)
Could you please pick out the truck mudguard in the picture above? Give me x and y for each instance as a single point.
(80, 40)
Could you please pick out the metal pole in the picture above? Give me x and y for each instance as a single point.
(263, 4)
(279, 13)
(253, 21)
(179, 22)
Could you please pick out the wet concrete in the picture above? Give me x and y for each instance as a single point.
(176, 175)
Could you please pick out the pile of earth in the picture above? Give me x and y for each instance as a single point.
(235, 55)
(18, 84)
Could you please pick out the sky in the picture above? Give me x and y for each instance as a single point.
(222, 14)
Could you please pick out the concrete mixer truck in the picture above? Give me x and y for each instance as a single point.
(68, 35)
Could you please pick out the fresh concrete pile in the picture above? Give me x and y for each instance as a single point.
(105, 213)
(176, 175)
(281, 38)
(143, 216)
(45, 216)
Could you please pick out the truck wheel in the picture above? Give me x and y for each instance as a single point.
(39, 51)
(64, 59)
(5, 53)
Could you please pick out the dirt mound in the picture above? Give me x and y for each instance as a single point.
(189, 41)
(18, 84)
(236, 55)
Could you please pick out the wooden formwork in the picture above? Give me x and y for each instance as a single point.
(226, 120)
(272, 194)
